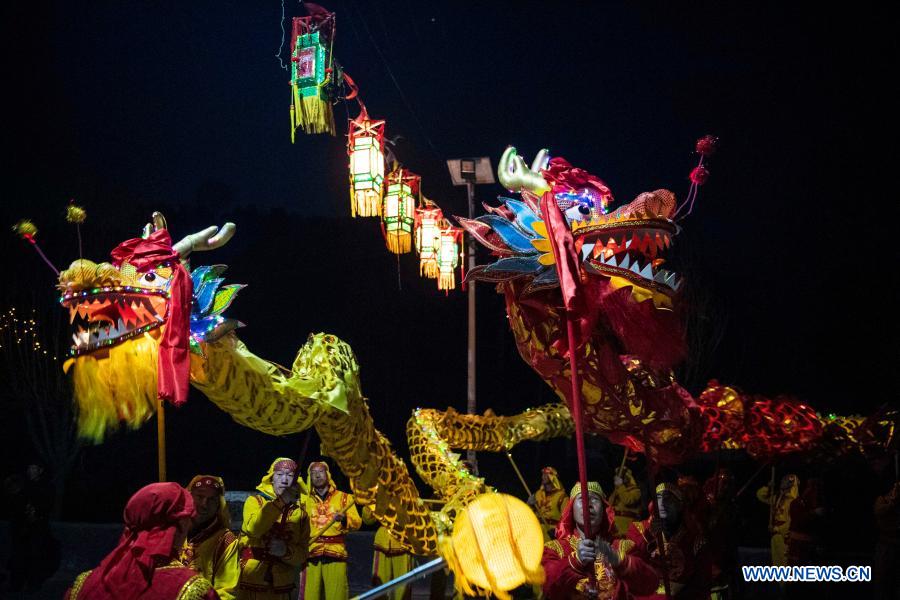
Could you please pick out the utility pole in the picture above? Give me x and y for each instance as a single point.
(470, 172)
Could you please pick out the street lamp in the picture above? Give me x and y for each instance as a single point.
(471, 172)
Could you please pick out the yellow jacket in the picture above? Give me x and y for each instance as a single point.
(266, 518)
(214, 554)
(781, 517)
(549, 505)
(384, 541)
(327, 535)
(626, 498)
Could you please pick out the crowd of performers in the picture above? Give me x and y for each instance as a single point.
(178, 542)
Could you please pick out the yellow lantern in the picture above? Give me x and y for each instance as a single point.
(398, 210)
(428, 238)
(366, 148)
(496, 546)
(448, 256)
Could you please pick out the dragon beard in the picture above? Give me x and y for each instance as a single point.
(116, 385)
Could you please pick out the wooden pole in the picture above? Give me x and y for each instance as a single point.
(161, 438)
(622, 465)
(515, 467)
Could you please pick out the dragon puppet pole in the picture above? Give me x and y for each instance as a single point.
(622, 465)
(161, 438)
(750, 480)
(566, 258)
(577, 416)
(525, 485)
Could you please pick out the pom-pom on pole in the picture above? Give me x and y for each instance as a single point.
(76, 215)
(705, 147)
(26, 230)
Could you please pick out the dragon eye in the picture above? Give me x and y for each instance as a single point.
(584, 209)
(149, 277)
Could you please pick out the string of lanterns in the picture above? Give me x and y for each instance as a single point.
(408, 219)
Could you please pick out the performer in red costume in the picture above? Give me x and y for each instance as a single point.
(687, 558)
(568, 559)
(144, 565)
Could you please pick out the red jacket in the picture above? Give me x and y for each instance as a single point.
(567, 578)
(688, 561)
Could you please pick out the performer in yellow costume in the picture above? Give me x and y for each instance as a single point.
(390, 559)
(274, 536)
(625, 500)
(549, 501)
(332, 514)
(780, 511)
(211, 548)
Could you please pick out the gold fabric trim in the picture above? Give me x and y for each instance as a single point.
(78, 584)
(624, 548)
(556, 547)
(196, 588)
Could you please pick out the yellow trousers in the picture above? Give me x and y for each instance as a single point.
(386, 568)
(779, 550)
(324, 581)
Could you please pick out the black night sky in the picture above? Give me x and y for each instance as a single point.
(131, 107)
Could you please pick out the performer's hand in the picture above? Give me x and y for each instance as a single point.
(277, 548)
(531, 501)
(339, 517)
(606, 550)
(289, 495)
(617, 481)
(587, 552)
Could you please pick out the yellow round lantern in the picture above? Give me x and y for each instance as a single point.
(496, 546)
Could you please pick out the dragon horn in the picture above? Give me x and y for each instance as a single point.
(207, 239)
(515, 175)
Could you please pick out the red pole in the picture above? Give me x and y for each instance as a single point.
(579, 438)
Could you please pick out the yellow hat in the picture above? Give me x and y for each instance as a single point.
(592, 486)
(671, 488)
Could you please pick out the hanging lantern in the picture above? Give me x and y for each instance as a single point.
(313, 72)
(448, 256)
(428, 238)
(398, 209)
(366, 149)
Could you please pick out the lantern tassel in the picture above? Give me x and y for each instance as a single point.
(447, 281)
(398, 244)
(293, 124)
(429, 269)
(313, 114)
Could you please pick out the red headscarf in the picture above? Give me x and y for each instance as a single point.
(174, 372)
(151, 522)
